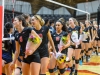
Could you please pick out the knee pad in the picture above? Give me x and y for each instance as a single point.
(73, 58)
(82, 51)
(86, 51)
(89, 49)
(51, 70)
(76, 61)
(3, 74)
(94, 47)
(98, 47)
(62, 70)
(42, 74)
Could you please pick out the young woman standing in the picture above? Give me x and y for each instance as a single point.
(44, 33)
(32, 61)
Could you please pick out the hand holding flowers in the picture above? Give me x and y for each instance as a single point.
(32, 43)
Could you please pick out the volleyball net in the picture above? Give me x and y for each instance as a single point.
(13, 3)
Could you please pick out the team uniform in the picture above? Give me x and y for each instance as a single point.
(7, 53)
(21, 52)
(87, 29)
(43, 48)
(76, 28)
(56, 42)
(22, 38)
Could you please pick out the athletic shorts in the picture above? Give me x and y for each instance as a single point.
(87, 40)
(32, 58)
(97, 39)
(6, 56)
(78, 47)
(43, 51)
(7, 60)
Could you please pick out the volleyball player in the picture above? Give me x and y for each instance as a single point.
(20, 58)
(77, 50)
(60, 32)
(88, 42)
(31, 63)
(44, 33)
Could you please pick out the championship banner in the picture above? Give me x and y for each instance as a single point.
(1, 15)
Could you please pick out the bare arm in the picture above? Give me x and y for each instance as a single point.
(51, 41)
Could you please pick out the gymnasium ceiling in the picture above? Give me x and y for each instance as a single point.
(37, 4)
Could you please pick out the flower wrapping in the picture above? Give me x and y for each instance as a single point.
(32, 44)
(60, 57)
(74, 37)
(85, 35)
(63, 41)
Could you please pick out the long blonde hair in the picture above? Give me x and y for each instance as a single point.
(75, 21)
(42, 22)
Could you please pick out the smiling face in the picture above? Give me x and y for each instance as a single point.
(58, 26)
(71, 21)
(35, 22)
(87, 23)
(16, 22)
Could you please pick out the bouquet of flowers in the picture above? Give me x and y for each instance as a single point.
(60, 57)
(74, 37)
(85, 35)
(32, 44)
(63, 41)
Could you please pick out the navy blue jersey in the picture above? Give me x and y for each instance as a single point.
(76, 28)
(43, 35)
(7, 51)
(88, 29)
(57, 37)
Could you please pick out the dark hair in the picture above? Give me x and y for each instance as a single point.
(51, 21)
(7, 44)
(62, 21)
(46, 20)
(8, 25)
(21, 18)
(25, 16)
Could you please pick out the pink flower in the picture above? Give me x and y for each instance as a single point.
(31, 36)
